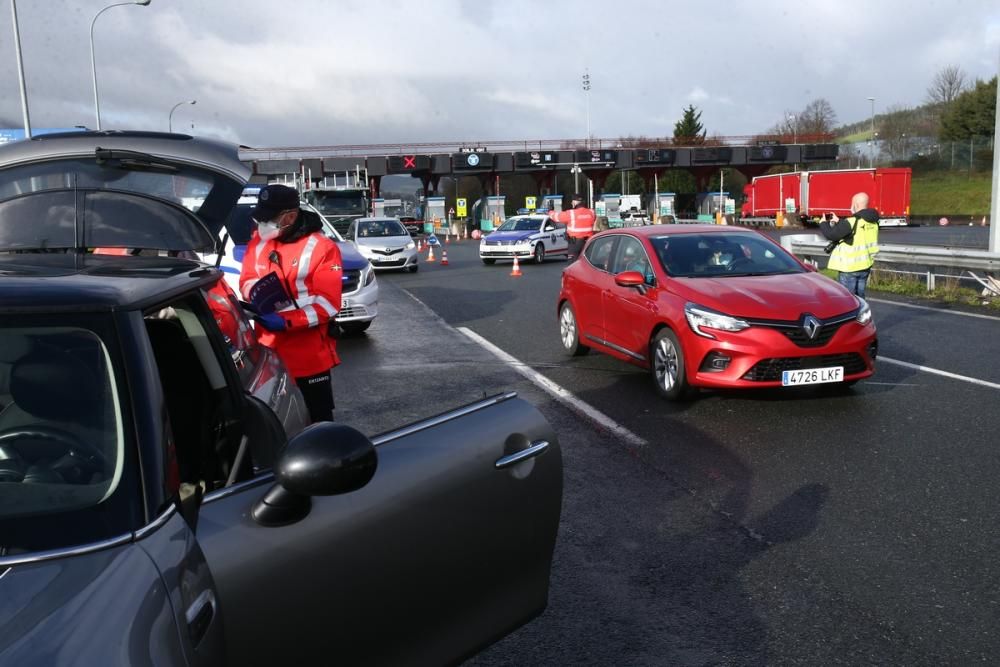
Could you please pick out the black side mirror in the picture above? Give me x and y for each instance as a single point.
(325, 459)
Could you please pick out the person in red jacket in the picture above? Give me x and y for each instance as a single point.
(579, 221)
(289, 243)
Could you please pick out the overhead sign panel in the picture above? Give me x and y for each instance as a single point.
(820, 152)
(535, 159)
(713, 154)
(768, 153)
(646, 156)
(403, 164)
(596, 157)
(472, 161)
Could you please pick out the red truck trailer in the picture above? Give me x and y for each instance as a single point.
(814, 193)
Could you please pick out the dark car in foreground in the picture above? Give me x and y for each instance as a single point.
(714, 307)
(161, 503)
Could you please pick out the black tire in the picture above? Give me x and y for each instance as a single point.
(539, 253)
(489, 262)
(569, 332)
(413, 269)
(355, 328)
(667, 367)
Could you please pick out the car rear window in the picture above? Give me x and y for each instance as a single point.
(62, 438)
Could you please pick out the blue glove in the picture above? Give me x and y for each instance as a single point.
(272, 321)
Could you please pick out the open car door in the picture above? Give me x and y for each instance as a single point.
(444, 550)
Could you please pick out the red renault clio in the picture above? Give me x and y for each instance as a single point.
(715, 307)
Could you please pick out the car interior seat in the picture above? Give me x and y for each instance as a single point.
(189, 399)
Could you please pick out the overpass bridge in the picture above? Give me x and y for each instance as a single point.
(540, 159)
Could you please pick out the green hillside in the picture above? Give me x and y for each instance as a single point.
(950, 193)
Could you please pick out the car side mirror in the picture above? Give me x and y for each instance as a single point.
(630, 279)
(325, 459)
(811, 267)
(550, 228)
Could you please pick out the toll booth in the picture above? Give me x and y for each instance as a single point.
(387, 208)
(552, 202)
(709, 203)
(609, 206)
(663, 207)
(491, 208)
(435, 220)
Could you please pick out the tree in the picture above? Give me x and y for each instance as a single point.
(816, 120)
(946, 85)
(972, 113)
(689, 131)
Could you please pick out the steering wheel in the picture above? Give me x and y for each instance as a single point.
(737, 261)
(65, 448)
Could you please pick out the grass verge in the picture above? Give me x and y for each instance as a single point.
(947, 290)
(950, 193)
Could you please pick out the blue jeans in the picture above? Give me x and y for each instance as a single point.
(855, 281)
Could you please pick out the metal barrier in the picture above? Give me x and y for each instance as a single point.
(810, 246)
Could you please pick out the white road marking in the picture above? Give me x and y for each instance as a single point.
(5, 572)
(936, 310)
(556, 391)
(935, 371)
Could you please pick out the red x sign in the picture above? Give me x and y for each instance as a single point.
(409, 162)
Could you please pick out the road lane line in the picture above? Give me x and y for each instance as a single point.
(927, 369)
(556, 391)
(936, 310)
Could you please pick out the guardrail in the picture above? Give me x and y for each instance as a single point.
(811, 245)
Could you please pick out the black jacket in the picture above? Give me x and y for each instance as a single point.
(844, 228)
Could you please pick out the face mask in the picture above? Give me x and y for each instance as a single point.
(267, 230)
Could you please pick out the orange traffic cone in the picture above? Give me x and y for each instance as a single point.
(444, 258)
(420, 245)
(467, 230)
(516, 271)
(430, 256)
(447, 237)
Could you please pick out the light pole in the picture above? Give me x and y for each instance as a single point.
(93, 59)
(586, 90)
(795, 135)
(871, 155)
(20, 72)
(170, 118)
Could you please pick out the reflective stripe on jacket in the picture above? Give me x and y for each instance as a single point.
(311, 271)
(579, 221)
(860, 253)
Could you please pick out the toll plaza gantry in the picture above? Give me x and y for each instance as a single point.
(487, 162)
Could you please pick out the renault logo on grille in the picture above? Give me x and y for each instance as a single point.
(811, 326)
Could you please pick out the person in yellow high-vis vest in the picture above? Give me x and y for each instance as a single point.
(855, 243)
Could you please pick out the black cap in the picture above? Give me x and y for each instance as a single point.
(274, 199)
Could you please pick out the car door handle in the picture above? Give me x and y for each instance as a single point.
(534, 450)
(199, 616)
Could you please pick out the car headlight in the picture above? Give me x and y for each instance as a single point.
(411, 245)
(700, 318)
(864, 311)
(369, 276)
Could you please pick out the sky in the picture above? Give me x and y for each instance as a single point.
(331, 72)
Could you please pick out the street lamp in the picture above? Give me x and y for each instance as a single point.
(93, 60)
(20, 72)
(795, 134)
(871, 156)
(170, 118)
(586, 90)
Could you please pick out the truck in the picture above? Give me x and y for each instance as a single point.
(809, 195)
(340, 200)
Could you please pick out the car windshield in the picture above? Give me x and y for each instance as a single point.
(377, 228)
(62, 437)
(721, 255)
(336, 202)
(520, 225)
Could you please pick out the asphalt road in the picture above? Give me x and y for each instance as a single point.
(770, 527)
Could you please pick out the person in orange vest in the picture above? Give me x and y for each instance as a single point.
(289, 243)
(579, 221)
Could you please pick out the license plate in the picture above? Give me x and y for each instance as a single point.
(812, 376)
(385, 259)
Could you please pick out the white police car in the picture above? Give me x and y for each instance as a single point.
(525, 236)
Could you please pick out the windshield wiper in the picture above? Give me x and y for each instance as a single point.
(132, 160)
